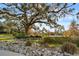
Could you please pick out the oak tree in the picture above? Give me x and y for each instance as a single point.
(28, 14)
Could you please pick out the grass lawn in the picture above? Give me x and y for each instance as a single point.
(6, 37)
(54, 45)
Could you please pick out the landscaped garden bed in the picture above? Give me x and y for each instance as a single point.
(48, 46)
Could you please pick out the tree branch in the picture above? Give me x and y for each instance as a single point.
(4, 12)
(65, 6)
(41, 22)
(18, 7)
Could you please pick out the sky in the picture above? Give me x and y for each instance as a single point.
(66, 21)
(40, 1)
(63, 21)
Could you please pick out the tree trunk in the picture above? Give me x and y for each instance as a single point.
(28, 30)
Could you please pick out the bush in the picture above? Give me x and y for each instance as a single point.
(28, 43)
(56, 40)
(35, 37)
(76, 42)
(20, 35)
(44, 35)
(69, 48)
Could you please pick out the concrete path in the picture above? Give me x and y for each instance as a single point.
(9, 53)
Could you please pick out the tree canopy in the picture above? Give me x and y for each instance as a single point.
(27, 14)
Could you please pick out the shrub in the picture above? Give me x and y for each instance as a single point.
(69, 48)
(35, 37)
(58, 40)
(47, 40)
(76, 42)
(44, 35)
(28, 43)
(19, 35)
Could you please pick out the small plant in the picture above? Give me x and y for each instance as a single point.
(47, 40)
(56, 40)
(76, 42)
(69, 48)
(20, 35)
(28, 43)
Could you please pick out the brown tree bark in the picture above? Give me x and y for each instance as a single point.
(28, 30)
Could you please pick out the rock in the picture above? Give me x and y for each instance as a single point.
(4, 47)
(55, 52)
(33, 50)
(60, 54)
(66, 54)
(21, 51)
(17, 50)
(24, 52)
(27, 54)
(42, 50)
(35, 45)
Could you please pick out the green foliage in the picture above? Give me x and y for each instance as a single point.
(69, 48)
(20, 35)
(54, 45)
(76, 41)
(56, 40)
(40, 13)
(44, 35)
(28, 43)
(3, 30)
